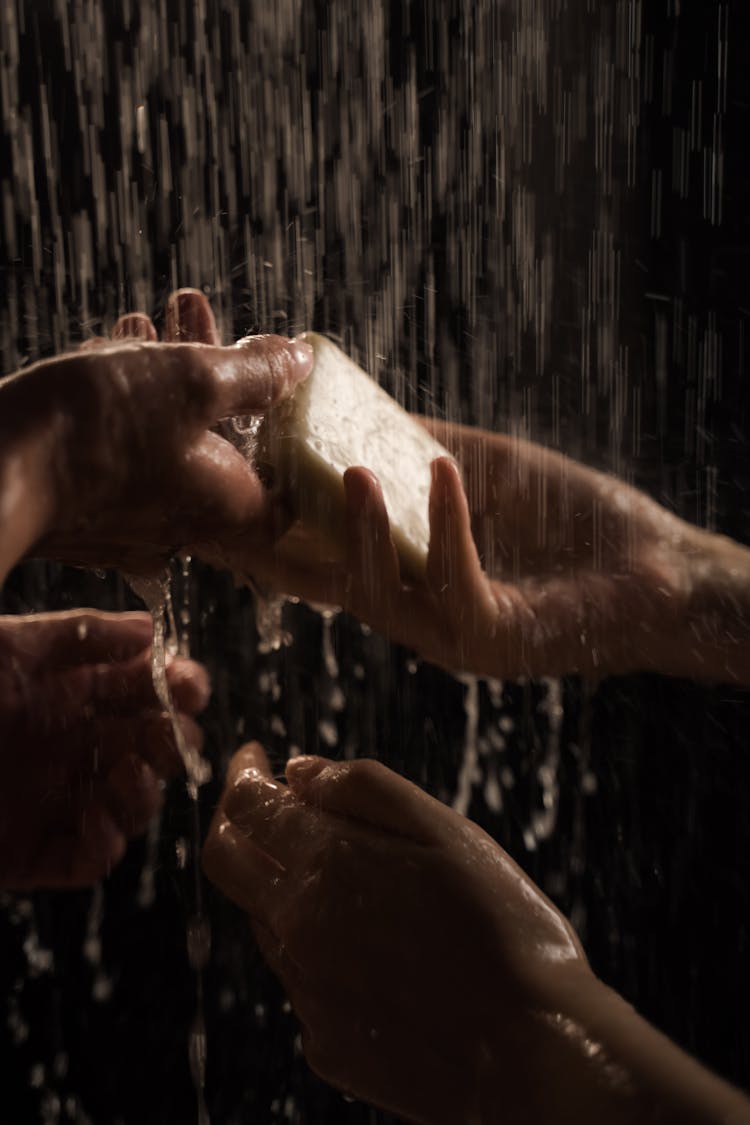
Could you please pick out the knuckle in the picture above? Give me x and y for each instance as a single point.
(273, 363)
(193, 377)
(364, 773)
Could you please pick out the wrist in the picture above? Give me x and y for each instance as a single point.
(582, 1053)
(716, 630)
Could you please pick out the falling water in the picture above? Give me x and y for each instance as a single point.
(156, 593)
(524, 216)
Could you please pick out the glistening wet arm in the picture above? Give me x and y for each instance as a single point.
(585, 1055)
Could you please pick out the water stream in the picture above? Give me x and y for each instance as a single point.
(169, 639)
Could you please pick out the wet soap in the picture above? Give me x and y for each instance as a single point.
(338, 418)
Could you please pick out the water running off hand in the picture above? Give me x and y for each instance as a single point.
(154, 592)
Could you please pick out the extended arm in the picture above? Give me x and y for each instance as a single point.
(538, 566)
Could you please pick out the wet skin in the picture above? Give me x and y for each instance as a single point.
(110, 456)
(429, 975)
(537, 565)
(84, 746)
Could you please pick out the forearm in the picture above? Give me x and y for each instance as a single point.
(589, 1057)
(720, 608)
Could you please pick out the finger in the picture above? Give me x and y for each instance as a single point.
(257, 372)
(60, 640)
(367, 791)
(454, 572)
(80, 855)
(207, 382)
(300, 565)
(535, 497)
(128, 686)
(222, 500)
(133, 795)
(371, 554)
(189, 684)
(134, 326)
(95, 848)
(246, 875)
(269, 816)
(95, 746)
(61, 697)
(190, 319)
(251, 756)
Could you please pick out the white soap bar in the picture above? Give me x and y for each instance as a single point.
(338, 418)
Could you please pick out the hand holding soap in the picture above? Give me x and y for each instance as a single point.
(338, 418)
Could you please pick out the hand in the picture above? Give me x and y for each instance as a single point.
(412, 948)
(542, 567)
(116, 448)
(84, 745)
(430, 976)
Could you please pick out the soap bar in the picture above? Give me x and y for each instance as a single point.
(338, 418)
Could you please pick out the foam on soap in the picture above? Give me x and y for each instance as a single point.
(339, 418)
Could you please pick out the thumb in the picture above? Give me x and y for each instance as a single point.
(251, 756)
(367, 791)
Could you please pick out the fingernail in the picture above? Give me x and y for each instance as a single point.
(303, 356)
(442, 468)
(301, 771)
(362, 486)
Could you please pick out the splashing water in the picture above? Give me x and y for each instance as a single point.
(469, 774)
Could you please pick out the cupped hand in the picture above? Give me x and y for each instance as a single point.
(414, 951)
(119, 441)
(537, 566)
(84, 744)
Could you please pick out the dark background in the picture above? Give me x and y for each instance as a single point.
(529, 219)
